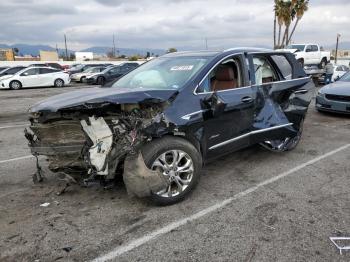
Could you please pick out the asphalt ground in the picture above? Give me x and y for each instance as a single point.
(252, 205)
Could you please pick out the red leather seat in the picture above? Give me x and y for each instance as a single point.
(224, 79)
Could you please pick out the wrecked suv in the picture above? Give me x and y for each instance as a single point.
(158, 125)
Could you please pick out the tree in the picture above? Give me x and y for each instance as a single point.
(300, 8)
(285, 12)
(172, 50)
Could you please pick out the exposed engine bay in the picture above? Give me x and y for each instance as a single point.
(97, 141)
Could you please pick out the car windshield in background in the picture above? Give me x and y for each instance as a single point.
(92, 70)
(163, 73)
(345, 78)
(298, 47)
(14, 70)
(77, 67)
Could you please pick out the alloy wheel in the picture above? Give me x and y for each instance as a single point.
(178, 167)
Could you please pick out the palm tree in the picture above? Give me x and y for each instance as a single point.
(287, 17)
(300, 7)
(279, 15)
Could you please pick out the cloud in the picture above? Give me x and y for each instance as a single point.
(163, 23)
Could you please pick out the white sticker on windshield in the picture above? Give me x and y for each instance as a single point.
(182, 68)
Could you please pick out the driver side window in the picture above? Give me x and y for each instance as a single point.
(225, 76)
(30, 72)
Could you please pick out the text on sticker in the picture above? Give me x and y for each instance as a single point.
(182, 68)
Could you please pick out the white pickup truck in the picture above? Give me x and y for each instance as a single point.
(309, 54)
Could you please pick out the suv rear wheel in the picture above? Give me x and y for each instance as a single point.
(179, 161)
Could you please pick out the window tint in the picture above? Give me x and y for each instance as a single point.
(30, 72)
(227, 75)
(283, 65)
(47, 70)
(308, 48)
(114, 71)
(264, 72)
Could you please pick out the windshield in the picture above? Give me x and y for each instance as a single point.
(77, 67)
(92, 70)
(345, 78)
(163, 73)
(298, 47)
(13, 70)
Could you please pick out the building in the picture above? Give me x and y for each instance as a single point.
(84, 56)
(6, 55)
(48, 56)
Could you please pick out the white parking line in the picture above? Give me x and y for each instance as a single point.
(16, 159)
(166, 229)
(13, 126)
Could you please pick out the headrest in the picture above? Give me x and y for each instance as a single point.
(224, 73)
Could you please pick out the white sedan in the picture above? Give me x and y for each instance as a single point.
(33, 77)
(339, 71)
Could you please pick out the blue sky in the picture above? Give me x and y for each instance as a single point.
(163, 23)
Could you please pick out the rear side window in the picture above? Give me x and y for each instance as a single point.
(284, 66)
(314, 48)
(47, 70)
(264, 71)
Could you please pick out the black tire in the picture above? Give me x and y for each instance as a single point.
(156, 148)
(323, 63)
(15, 85)
(82, 79)
(301, 62)
(59, 82)
(287, 144)
(101, 80)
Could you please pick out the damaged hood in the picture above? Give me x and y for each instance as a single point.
(92, 96)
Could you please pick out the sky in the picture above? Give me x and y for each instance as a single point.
(164, 23)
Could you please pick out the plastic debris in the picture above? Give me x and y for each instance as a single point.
(45, 204)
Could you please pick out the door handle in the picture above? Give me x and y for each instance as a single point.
(247, 99)
(301, 91)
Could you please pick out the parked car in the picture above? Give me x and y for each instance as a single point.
(81, 68)
(335, 97)
(309, 54)
(339, 71)
(111, 73)
(80, 77)
(35, 76)
(53, 65)
(11, 71)
(158, 125)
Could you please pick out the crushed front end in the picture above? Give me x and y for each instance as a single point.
(94, 140)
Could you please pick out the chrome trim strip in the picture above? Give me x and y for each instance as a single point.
(188, 116)
(248, 134)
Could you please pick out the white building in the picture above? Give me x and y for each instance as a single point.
(84, 56)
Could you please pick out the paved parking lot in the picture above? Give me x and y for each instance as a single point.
(252, 205)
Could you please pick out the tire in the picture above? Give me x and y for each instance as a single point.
(323, 63)
(59, 83)
(189, 159)
(15, 85)
(100, 80)
(301, 62)
(82, 79)
(286, 144)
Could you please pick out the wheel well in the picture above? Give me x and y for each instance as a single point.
(59, 79)
(190, 139)
(15, 81)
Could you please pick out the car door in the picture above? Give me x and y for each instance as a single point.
(29, 78)
(282, 97)
(227, 113)
(308, 55)
(45, 77)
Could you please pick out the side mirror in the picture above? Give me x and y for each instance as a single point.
(215, 103)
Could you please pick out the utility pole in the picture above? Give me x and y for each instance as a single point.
(206, 43)
(65, 44)
(113, 46)
(336, 49)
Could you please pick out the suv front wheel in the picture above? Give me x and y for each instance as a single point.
(179, 161)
